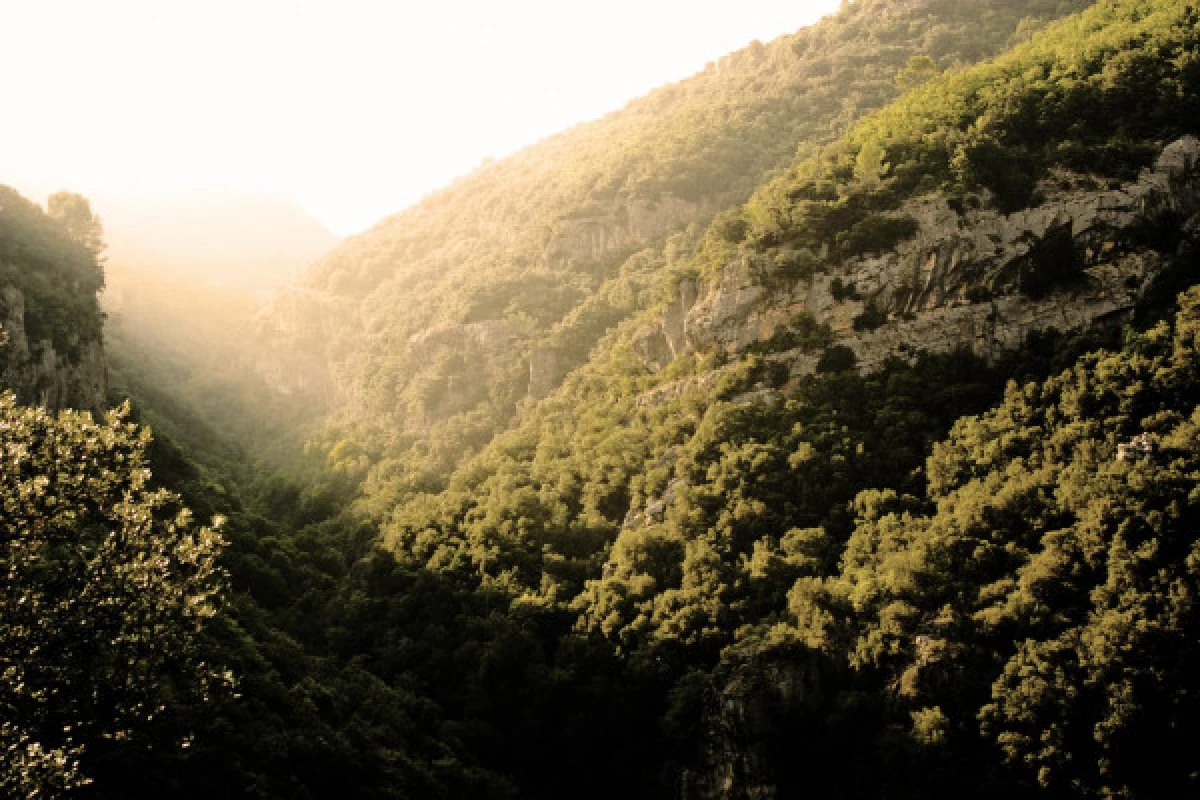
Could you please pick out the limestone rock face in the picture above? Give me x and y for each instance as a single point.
(589, 237)
(456, 363)
(721, 317)
(979, 279)
(493, 339)
(659, 344)
(674, 326)
(38, 374)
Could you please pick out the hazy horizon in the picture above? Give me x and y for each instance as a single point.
(352, 111)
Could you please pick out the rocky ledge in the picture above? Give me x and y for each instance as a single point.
(978, 279)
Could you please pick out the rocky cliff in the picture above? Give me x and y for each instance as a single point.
(969, 278)
(738, 745)
(38, 373)
(978, 279)
(50, 321)
(291, 335)
(592, 236)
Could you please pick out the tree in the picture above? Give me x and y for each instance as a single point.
(74, 212)
(870, 166)
(104, 589)
(920, 69)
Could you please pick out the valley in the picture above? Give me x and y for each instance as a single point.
(824, 423)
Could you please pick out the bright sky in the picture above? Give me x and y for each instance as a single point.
(353, 109)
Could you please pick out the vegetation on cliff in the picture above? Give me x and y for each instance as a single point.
(428, 322)
(55, 270)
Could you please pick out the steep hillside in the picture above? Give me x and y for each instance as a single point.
(784, 302)
(980, 280)
(50, 347)
(107, 581)
(185, 278)
(174, 344)
(690, 494)
(450, 313)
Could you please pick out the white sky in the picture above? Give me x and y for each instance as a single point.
(351, 108)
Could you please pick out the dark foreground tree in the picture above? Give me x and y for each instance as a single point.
(104, 585)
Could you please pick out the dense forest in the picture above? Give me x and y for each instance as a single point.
(825, 423)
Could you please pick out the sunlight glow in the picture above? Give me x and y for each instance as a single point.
(351, 108)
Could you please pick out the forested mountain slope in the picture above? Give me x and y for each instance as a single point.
(689, 495)
(135, 660)
(448, 314)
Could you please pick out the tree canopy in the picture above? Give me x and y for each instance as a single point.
(106, 585)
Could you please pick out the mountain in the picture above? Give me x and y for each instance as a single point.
(185, 275)
(825, 424)
(106, 580)
(448, 313)
(698, 495)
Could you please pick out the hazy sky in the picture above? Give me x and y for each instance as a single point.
(352, 108)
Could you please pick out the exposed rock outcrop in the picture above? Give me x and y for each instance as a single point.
(296, 332)
(979, 279)
(659, 344)
(592, 236)
(492, 338)
(40, 375)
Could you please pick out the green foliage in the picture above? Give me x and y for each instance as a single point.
(870, 319)
(875, 233)
(1043, 603)
(1051, 263)
(919, 69)
(1088, 93)
(838, 584)
(529, 242)
(837, 358)
(842, 291)
(56, 272)
(74, 213)
(106, 586)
